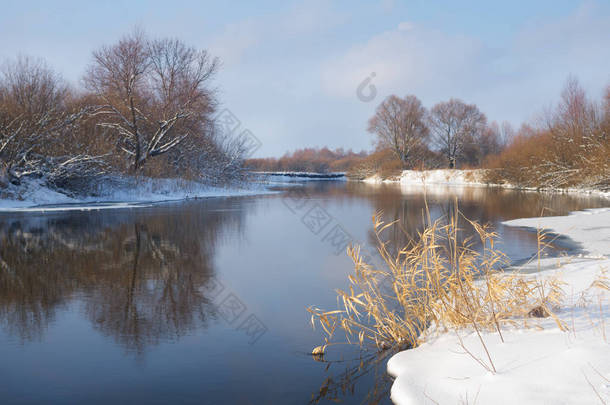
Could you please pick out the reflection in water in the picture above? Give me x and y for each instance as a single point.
(136, 279)
(143, 275)
(342, 384)
(408, 207)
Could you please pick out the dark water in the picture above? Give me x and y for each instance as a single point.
(204, 301)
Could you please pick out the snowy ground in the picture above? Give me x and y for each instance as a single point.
(125, 193)
(534, 366)
(449, 177)
(440, 176)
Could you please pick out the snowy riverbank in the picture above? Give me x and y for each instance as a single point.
(438, 177)
(460, 178)
(119, 193)
(542, 364)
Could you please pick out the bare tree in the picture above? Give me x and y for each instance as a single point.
(574, 114)
(30, 86)
(31, 100)
(155, 94)
(507, 133)
(579, 143)
(34, 121)
(399, 125)
(606, 127)
(453, 125)
(490, 140)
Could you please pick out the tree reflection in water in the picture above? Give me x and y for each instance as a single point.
(340, 385)
(140, 275)
(143, 277)
(405, 206)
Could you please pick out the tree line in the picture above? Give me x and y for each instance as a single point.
(568, 145)
(451, 130)
(146, 107)
(318, 160)
(407, 136)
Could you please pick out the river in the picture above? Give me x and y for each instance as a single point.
(203, 301)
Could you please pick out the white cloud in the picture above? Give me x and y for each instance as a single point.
(236, 40)
(511, 81)
(387, 5)
(308, 17)
(405, 61)
(295, 23)
(405, 26)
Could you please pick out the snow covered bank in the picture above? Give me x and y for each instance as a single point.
(118, 193)
(589, 228)
(440, 176)
(443, 176)
(460, 178)
(542, 364)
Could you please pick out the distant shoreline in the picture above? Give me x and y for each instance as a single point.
(468, 178)
(306, 175)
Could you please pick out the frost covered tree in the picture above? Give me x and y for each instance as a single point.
(455, 124)
(37, 119)
(156, 95)
(30, 96)
(580, 144)
(399, 125)
(568, 147)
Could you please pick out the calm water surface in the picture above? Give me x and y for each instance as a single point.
(204, 301)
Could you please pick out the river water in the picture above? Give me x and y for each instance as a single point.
(203, 301)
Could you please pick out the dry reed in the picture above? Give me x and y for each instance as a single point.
(435, 283)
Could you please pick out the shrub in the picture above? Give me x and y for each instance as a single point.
(371, 165)
(308, 160)
(570, 149)
(390, 169)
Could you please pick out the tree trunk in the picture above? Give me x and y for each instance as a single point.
(138, 153)
(4, 177)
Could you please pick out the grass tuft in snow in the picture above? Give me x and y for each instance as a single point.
(436, 283)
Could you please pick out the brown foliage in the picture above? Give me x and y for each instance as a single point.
(147, 98)
(385, 163)
(308, 160)
(570, 149)
(40, 123)
(373, 163)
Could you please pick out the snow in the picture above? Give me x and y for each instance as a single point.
(460, 178)
(121, 193)
(533, 366)
(589, 228)
(443, 176)
(440, 176)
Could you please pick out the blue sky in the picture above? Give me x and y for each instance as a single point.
(291, 69)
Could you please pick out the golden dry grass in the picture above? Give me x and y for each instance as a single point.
(435, 283)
